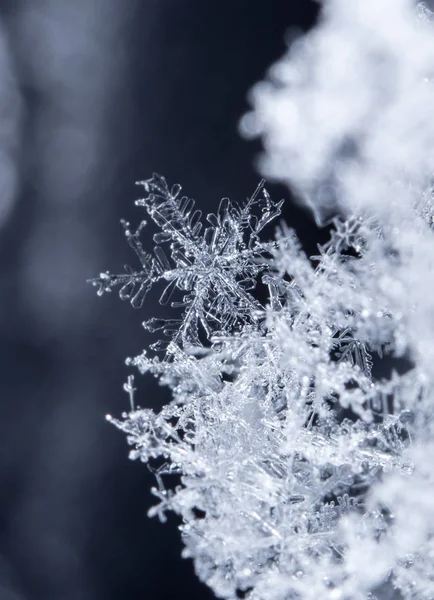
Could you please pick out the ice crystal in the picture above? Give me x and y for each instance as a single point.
(301, 424)
(277, 426)
(215, 266)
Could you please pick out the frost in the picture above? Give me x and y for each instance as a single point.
(301, 425)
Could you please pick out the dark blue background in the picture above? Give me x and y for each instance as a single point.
(73, 522)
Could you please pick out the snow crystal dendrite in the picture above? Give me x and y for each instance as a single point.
(215, 266)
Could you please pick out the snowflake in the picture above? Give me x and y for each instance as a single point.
(215, 266)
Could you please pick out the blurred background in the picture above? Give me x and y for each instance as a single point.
(94, 95)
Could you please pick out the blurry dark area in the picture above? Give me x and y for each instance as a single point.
(94, 95)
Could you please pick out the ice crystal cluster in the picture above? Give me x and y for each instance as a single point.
(298, 448)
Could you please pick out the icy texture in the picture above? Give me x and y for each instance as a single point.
(301, 426)
(277, 426)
